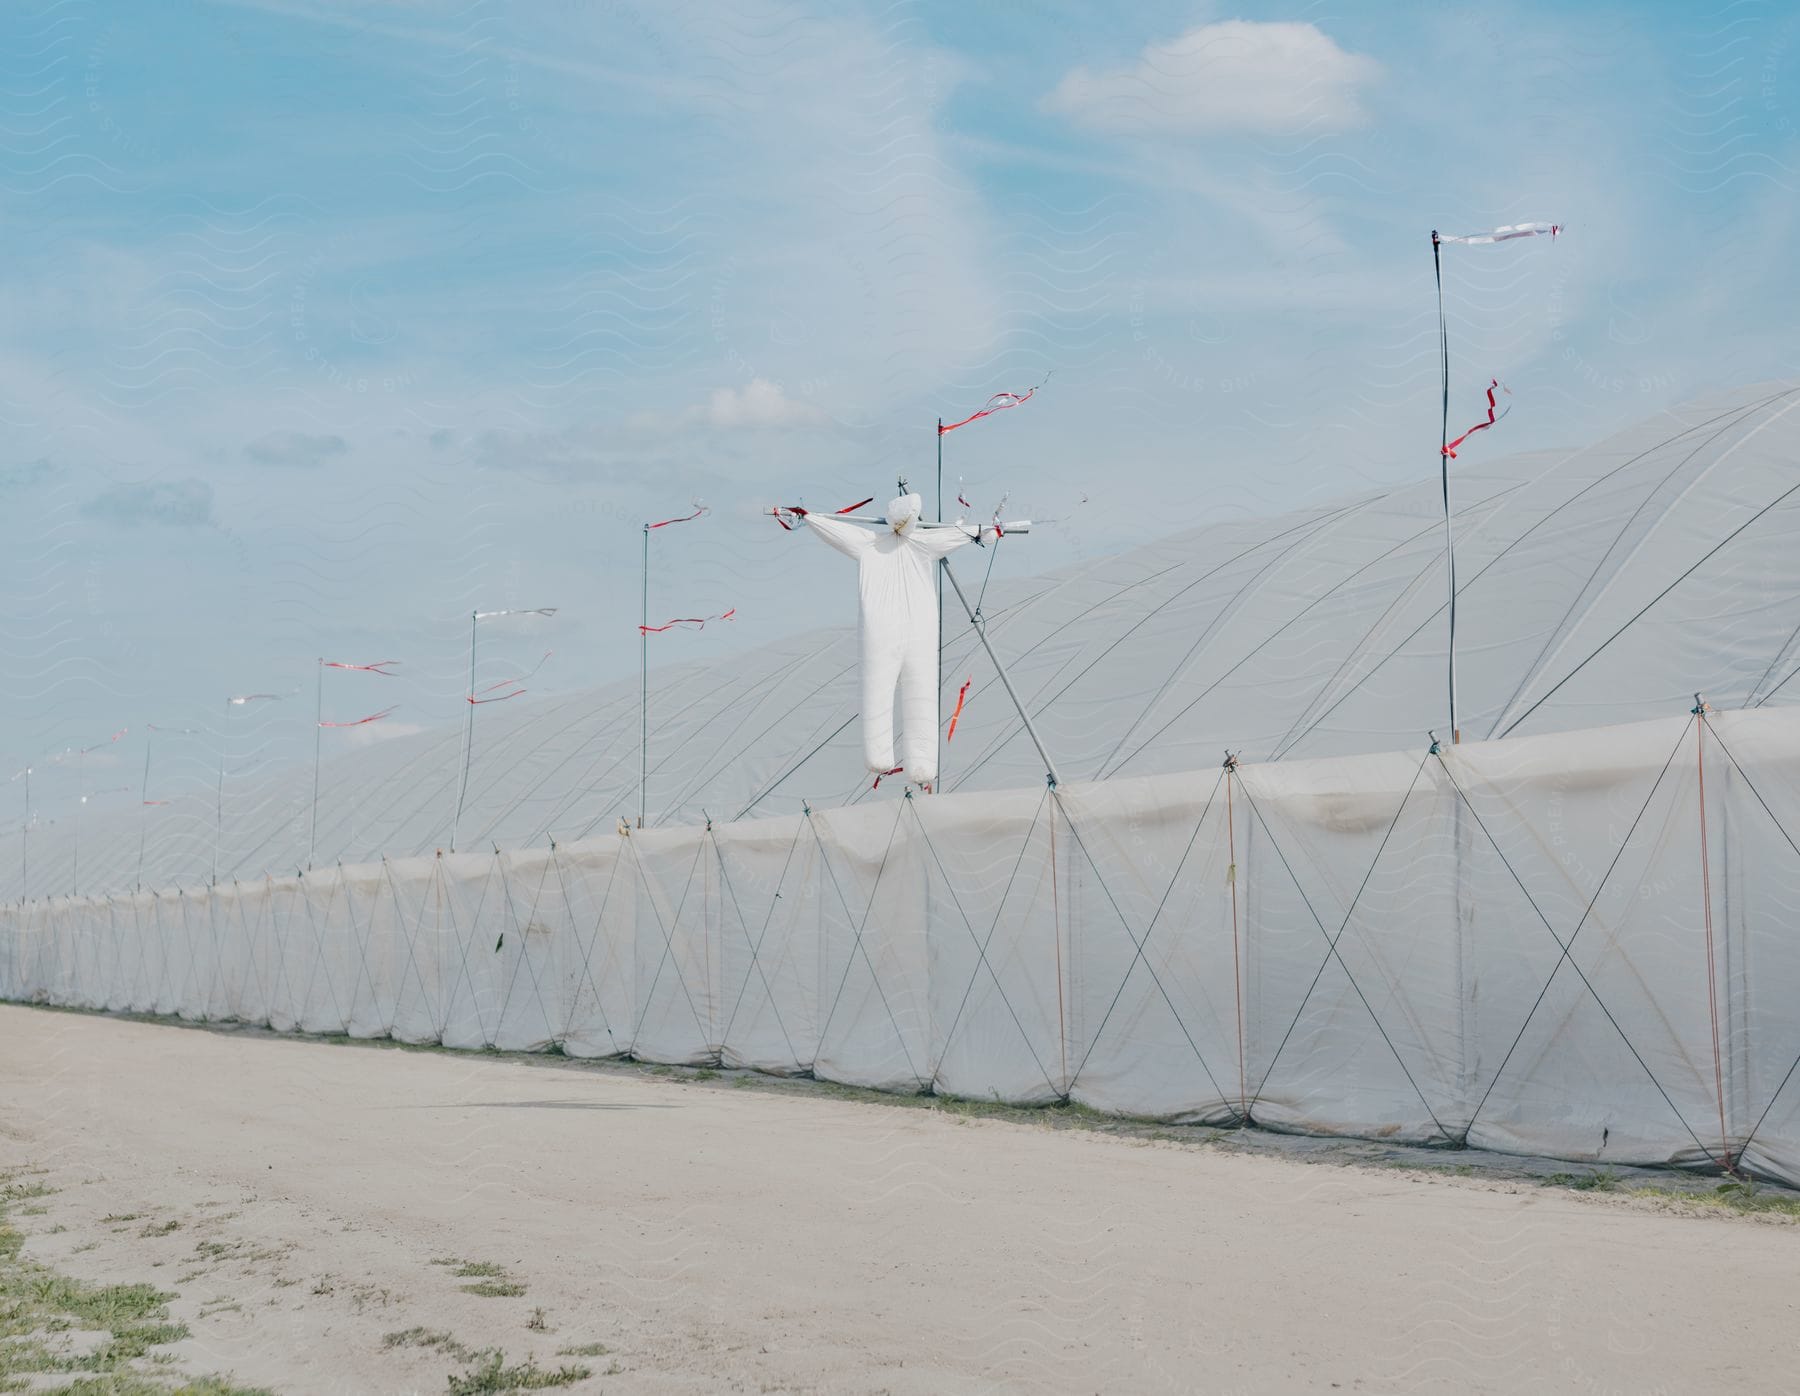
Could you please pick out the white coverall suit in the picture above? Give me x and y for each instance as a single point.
(898, 620)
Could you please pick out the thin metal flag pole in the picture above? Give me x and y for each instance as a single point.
(25, 843)
(980, 629)
(644, 661)
(219, 797)
(999, 402)
(75, 860)
(462, 788)
(515, 685)
(644, 688)
(144, 807)
(236, 701)
(1446, 447)
(1437, 272)
(312, 838)
(938, 705)
(319, 726)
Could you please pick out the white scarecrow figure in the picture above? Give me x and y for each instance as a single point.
(897, 615)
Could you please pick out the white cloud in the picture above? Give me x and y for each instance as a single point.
(1236, 75)
(759, 405)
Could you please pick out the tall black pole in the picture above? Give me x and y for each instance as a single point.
(219, 794)
(144, 808)
(312, 837)
(462, 786)
(938, 707)
(1437, 272)
(644, 688)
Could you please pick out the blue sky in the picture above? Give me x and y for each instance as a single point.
(327, 323)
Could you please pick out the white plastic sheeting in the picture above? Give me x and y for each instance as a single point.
(1598, 585)
(1508, 943)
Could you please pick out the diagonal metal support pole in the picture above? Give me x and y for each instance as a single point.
(980, 628)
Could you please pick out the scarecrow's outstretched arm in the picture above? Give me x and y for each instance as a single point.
(941, 542)
(847, 538)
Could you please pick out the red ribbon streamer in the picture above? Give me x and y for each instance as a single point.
(884, 775)
(378, 667)
(372, 717)
(999, 402)
(689, 622)
(1493, 384)
(518, 685)
(961, 694)
(801, 513)
(699, 509)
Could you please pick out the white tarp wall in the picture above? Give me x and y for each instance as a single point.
(1584, 945)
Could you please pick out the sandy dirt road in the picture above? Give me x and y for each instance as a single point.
(714, 1239)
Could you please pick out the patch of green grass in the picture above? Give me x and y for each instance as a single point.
(491, 1280)
(107, 1306)
(1601, 1179)
(488, 1375)
(494, 1289)
(161, 1229)
(473, 1269)
(1742, 1197)
(136, 1339)
(427, 1338)
(38, 1306)
(584, 1350)
(240, 1250)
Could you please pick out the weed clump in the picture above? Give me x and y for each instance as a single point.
(490, 1376)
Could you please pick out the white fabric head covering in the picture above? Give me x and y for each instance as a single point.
(903, 512)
